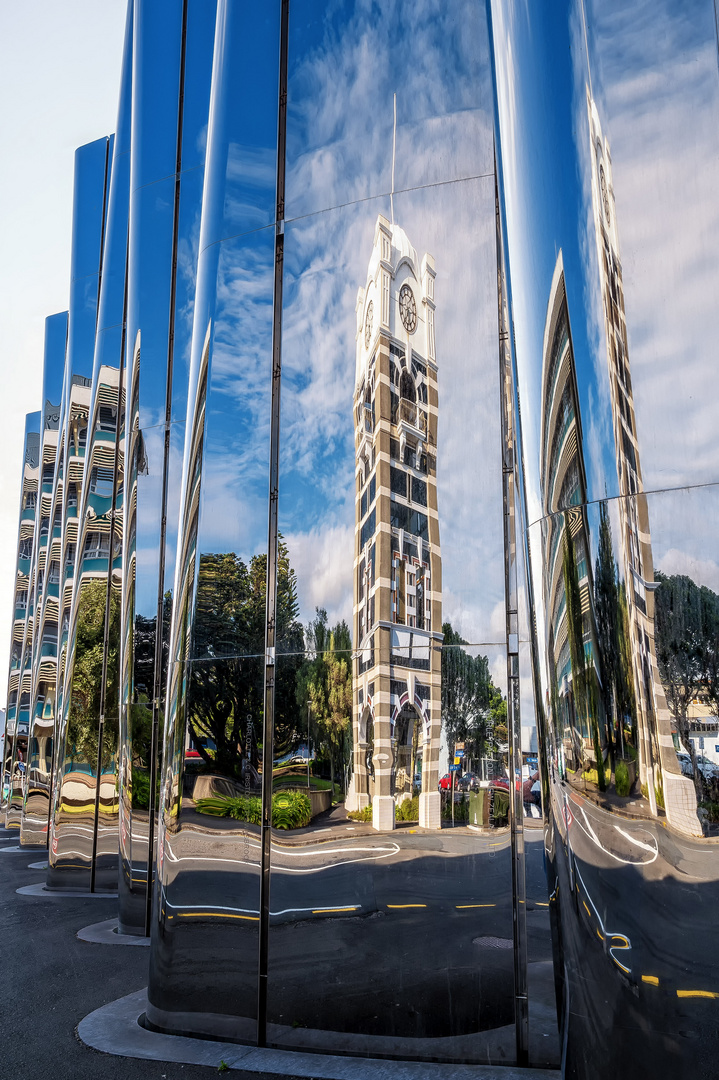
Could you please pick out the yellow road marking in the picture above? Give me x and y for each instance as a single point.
(587, 910)
(324, 910)
(461, 907)
(651, 979)
(600, 936)
(216, 915)
(405, 905)
(540, 903)
(697, 993)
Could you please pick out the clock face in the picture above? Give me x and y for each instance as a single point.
(605, 193)
(407, 309)
(368, 324)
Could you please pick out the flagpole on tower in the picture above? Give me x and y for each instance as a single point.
(394, 147)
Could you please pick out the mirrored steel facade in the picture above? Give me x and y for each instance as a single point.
(367, 616)
(608, 164)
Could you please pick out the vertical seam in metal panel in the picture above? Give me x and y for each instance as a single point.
(76, 583)
(157, 677)
(271, 600)
(54, 765)
(519, 907)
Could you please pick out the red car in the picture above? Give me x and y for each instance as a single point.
(446, 782)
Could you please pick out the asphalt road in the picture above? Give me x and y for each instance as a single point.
(403, 937)
(50, 980)
(637, 908)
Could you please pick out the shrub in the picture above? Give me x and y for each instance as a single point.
(291, 810)
(461, 809)
(361, 815)
(407, 810)
(621, 778)
(238, 807)
(591, 776)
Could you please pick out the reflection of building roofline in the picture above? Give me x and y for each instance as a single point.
(557, 298)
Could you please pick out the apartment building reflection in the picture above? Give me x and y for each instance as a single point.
(658, 768)
(397, 616)
(574, 661)
(34, 819)
(19, 681)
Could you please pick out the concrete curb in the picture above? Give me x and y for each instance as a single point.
(114, 1029)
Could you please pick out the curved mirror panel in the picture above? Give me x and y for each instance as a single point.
(80, 785)
(173, 51)
(36, 807)
(608, 142)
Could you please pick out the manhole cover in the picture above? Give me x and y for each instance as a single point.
(493, 942)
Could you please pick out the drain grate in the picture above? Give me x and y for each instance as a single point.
(493, 942)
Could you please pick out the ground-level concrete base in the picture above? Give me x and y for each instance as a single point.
(115, 1029)
(107, 933)
(383, 813)
(430, 810)
(42, 890)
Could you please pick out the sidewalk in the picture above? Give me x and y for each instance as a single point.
(53, 982)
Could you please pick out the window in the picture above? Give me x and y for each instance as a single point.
(363, 504)
(360, 582)
(72, 495)
(53, 574)
(30, 500)
(101, 478)
(410, 454)
(419, 491)
(406, 387)
(430, 332)
(398, 481)
(394, 449)
(394, 403)
(385, 298)
(97, 546)
(403, 517)
(367, 529)
(107, 419)
(44, 526)
(372, 489)
(48, 471)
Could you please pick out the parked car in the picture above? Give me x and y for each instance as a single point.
(468, 782)
(707, 768)
(685, 763)
(445, 782)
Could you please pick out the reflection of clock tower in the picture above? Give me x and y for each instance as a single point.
(397, 615)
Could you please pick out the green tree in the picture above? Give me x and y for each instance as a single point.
(584, 684)
(473, 709)
(323, 688)
(85, 694)
(226, 698)
(686, 624)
